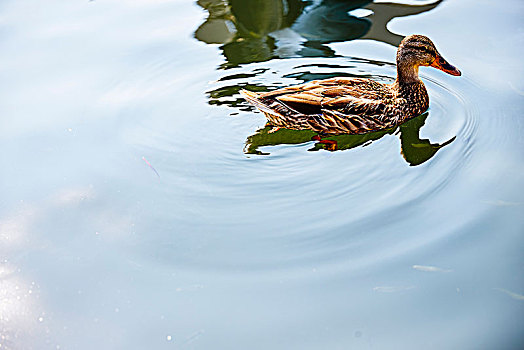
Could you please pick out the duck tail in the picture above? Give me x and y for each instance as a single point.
(248, 95)
(277, 113)
(255, 100)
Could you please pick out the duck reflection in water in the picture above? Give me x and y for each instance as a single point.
(414, 149)
(259, 30)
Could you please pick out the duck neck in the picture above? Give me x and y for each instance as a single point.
(407, 72)
(409, 87)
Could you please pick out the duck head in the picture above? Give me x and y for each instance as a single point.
(419, 50)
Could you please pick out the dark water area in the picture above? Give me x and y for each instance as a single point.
(145, 205)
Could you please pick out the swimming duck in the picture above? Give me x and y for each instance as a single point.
(355, 105)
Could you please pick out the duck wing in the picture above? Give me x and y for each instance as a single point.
(337, 105)
(314, 94)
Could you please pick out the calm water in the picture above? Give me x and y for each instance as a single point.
(145, 206)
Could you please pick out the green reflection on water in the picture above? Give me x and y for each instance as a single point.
(414, 149)
(259, 30)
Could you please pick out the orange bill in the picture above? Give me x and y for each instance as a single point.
(443, 65)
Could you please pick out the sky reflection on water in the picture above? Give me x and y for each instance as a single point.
(295, 249)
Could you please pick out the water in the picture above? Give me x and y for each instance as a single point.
(144, 204)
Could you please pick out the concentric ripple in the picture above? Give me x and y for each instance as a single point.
(292, 207)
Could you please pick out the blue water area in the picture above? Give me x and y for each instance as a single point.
(145, 205)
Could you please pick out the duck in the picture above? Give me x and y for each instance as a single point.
(344, 105)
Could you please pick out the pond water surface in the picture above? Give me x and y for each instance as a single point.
(145, 205)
